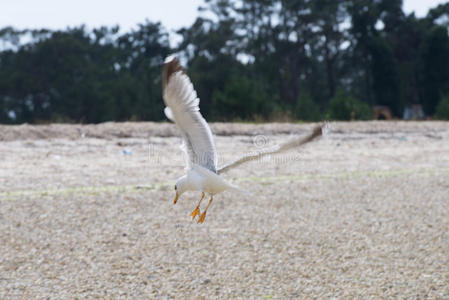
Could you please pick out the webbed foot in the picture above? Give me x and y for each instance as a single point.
(195, 212)
(202, 217)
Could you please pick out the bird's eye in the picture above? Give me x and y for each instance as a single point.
(175, 188)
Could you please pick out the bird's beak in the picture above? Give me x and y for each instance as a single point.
(176, 198)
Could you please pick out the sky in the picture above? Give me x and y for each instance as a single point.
(173, 14)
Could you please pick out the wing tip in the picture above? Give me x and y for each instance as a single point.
(318, 130)
(171, 65)
(169, 58)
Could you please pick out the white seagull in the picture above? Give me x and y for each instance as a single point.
(182, 107)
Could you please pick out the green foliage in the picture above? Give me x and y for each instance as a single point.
(306, 109)
(244, 66)
(442, 110)
(241, 98)
(435, 68)
(345, 108)
(386, 80)
(79, 76)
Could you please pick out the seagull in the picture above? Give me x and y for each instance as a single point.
(182, 107)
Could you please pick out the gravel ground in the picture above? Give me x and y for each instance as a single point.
(86, 212)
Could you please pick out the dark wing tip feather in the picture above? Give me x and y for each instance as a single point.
(171, 65)
(317, 131)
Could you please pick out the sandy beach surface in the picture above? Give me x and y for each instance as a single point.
(86, 212)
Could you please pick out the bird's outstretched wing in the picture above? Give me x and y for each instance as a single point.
(317, 132)
(183, 109)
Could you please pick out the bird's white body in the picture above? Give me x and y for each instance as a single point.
(182, 107)
(201, 179)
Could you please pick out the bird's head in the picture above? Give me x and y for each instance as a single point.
(180, 187)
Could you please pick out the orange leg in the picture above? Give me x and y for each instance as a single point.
(203, 215)
(196, 211)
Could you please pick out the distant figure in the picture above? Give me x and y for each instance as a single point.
(414, 112)
(381, 112)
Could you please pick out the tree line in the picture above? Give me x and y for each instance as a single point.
(249, 60)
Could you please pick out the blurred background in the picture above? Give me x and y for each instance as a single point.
(265, 60)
